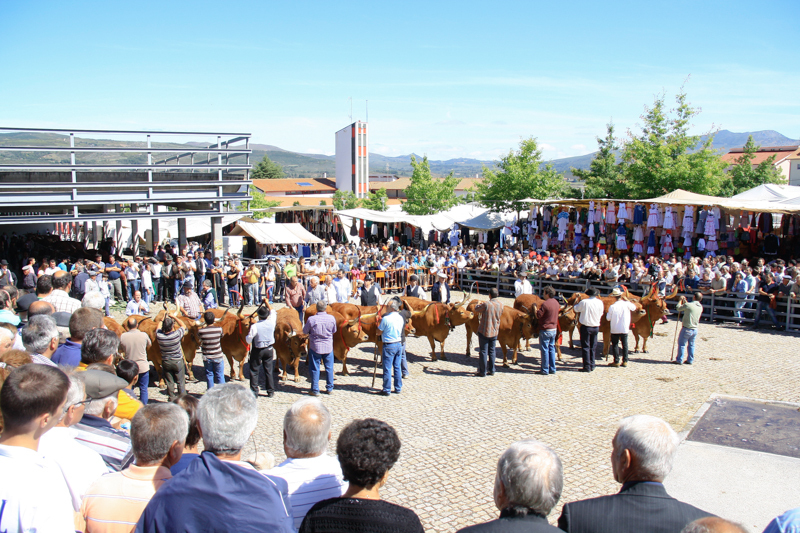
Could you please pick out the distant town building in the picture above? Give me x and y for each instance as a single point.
(322, 187)
(352, 159)
(396, 188)
(787, 160)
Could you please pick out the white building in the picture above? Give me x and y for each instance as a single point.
(352, 159)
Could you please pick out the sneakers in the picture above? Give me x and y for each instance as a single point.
(615, 364)
(624, 363)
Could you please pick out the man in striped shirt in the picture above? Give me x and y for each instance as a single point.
(172, 365)
(210, 339)
(115, 502)
(189, 302)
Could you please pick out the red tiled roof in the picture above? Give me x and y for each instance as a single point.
(764, 153)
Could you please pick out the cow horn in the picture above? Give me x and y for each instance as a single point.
(293, 333)
(420, 313)
(220, 319)
(353, 322)
(241, 308)
(369, 315)
(466, 296)
(673, 294)
(652, 291)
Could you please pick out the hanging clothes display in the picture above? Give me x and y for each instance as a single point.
(666, 244)
(701, 221)
(652, 218)
(590, 213)
(710, 226)
(622, 215)
(546, 216)
(668, 222)
(611, 216)
(638, 214)
(638, 240)
(688, 219)
(622, 238)
(651, 242)
(563, 221)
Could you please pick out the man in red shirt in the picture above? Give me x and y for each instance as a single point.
(548, 330)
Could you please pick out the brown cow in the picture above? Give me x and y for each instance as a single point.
(530, 303)
(290, 342)
(369, 317)
(434, 320)
(514, 326)
(605, 325)
(113, 325)
(655, 308)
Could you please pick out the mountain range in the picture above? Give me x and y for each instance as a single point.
(300, 165)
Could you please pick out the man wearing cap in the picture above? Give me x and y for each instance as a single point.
(28, 278)
(440, 292)
(190, 265)
(79, 282)
(168, 279)
(371, 292)
(413, 290)
(261, 338)
(591, 312)
(521, 285)
(619, 316)
(133, 277)
(6, 276)
(232, 281)
(189, 302)
(95, 430)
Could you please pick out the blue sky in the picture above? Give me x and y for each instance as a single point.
(446, 79)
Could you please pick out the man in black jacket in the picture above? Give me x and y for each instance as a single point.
(527, 486)
(643, 450)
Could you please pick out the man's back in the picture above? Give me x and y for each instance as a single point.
(638, 507)
(310, 480)
(134, 343)
(214, 495)
(113, 445)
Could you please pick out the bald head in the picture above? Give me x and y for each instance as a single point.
(40, 308)
(713, 524)
(306, 429)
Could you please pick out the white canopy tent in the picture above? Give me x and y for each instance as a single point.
(441, 221)
(769, 192)
(274, 233)
(681, 197)
(488, 221)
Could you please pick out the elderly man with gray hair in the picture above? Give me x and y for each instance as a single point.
(527, 487)
(643, 450)
(311, 473)
(218, 491)
(40, 338)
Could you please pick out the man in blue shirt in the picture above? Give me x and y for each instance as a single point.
(82, 321)
(391, 329)
(114, 271)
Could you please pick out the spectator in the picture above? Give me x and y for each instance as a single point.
(521, 285)
(643, 450)
(60, 298)
(713, 524)
(114, 271)
(316, 292)
(252, 277)
(488, 327)
(261, 339)
(190, 448)
(94, 429)
(371, 292)
(7, 314)
(135, 343)
(217, 490)
(79, 465)
(8, 337)
(295, 295)
(440, 292)
(173, 366)
(413, 289)
(691, 319)
(189, 302)
(619, 318)
(40, 338)
(98, 346)
(311, 474)
(527, 487)
(548, 330)
(137, 306)
(82, 321)
(591, 311)
(33, 492)
(210, 339)
(367, 450)
(209, 295)
(391, 330)
(320, 329)
(128, 404)
(117, 500)
(788, 522)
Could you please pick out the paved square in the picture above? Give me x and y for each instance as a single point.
(454, 425)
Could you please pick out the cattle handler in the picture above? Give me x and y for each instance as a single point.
(261, 338)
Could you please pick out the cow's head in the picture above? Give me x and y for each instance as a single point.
(459, 314)
(655, 306)
(352, 333)
(298, 344)
(526, 325)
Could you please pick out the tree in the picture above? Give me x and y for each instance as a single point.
(376, 200)
(604, 178)
(426, 195)
(664, 157)
(345, 200)
(521, 175)
(266, 169)
(259, 202)
(744, 175)
(323, 202)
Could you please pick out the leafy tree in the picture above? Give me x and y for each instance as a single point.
(323, 202)
(426, 195)
(521, 175)
(604, 178)
(345, 200)
(744, 176)
(267, 169)
(296, 203)
(376, 200)
(259, 202)
(664, 157)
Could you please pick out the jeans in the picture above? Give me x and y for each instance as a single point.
(314, 360)
(547, 349)
(178, 283)
(392, 362)
(263, 360)
(404, 361)
(233, 294)
(270, 288)
(174, 373)
(252, 293)
(686, 340)
(133, 286)
(116, 288)
(588, 345)
(142, 384)
(215, 372)
(486, 358)
(156, 289)
(108, 303)
(300, 312)
(616, 340)
(770, 311)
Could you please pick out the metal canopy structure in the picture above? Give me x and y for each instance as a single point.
(63, 175)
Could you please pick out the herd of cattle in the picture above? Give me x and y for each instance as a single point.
(358, 324)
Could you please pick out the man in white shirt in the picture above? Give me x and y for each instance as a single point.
(33, 492)
(591, 312)
(521, 285)
(619, 317)
(343, 288)
(79, 465)
(312, 474)
(137, 306)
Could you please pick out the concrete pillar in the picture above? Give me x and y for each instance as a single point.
(134, 236)
(181, 233)
(155, 239)
(216, 236)
(120, 246)
(96, 234)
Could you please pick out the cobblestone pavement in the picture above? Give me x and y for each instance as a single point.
(454, 426)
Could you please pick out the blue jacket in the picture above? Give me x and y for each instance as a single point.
(211, 495)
